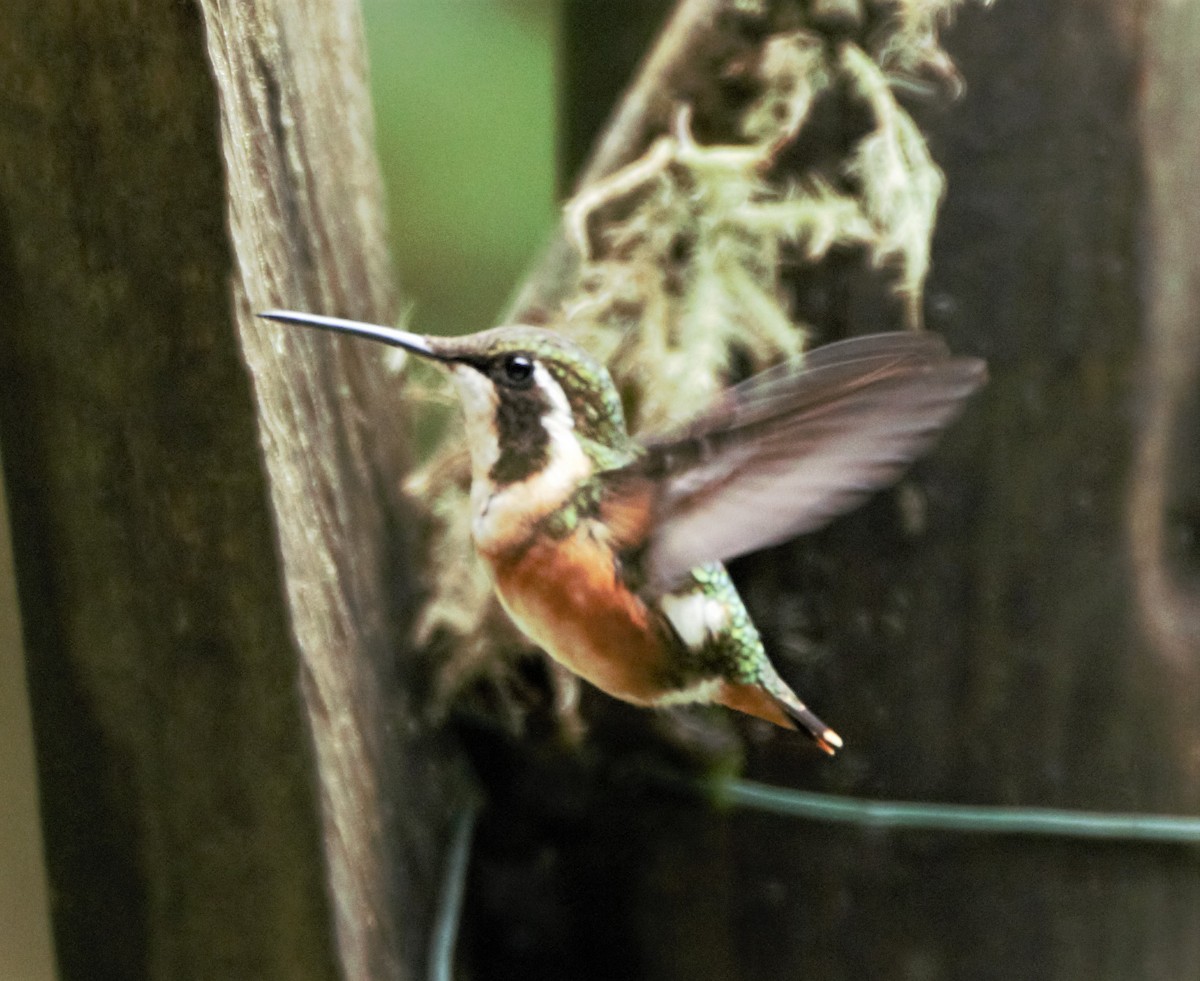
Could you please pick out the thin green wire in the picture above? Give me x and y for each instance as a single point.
(828, 808)
(454, 887)
(966, 818)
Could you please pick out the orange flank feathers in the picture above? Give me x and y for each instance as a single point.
(567, 596)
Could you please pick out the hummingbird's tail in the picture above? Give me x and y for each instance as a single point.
(780, 705)
(807, 719)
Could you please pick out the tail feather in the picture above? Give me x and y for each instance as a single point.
(781, 707)
(822, 735)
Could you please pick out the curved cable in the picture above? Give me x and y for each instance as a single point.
(965, 818)
(454, 887)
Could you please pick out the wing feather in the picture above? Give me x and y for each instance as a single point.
(788, 451)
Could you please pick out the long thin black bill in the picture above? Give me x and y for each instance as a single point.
(376, 332)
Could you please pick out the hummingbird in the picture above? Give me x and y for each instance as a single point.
(607, 552)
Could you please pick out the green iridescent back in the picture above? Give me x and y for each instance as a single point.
(735, 652)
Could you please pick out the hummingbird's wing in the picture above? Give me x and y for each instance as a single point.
(786, 451)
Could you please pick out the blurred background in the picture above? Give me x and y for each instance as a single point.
(470, 167)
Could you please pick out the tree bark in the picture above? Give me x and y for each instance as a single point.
(26, 948)
(169, 169)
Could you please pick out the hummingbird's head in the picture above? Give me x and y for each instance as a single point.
(528, 394)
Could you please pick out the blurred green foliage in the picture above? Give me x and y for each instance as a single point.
(465, 112)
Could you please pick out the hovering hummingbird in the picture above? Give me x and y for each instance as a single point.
(607, 552)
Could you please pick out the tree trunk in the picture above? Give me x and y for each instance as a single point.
(169, 169)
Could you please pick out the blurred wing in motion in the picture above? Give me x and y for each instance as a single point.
(786, 452)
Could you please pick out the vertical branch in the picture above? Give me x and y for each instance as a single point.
(1164, 509)
(182, 835)
(307, 232)
(168, 169)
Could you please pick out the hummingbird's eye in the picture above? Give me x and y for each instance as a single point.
(516, 370)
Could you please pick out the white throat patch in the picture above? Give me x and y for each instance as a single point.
(479, 402)
(505, 516)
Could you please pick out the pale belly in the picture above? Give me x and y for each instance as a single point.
(565, 597)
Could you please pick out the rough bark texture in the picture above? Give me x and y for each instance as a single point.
(169, 168)
(1016, 625)
(296, 124)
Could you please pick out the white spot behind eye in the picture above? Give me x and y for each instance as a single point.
(560, 407)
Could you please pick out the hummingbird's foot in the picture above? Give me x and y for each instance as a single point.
(566, 689)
